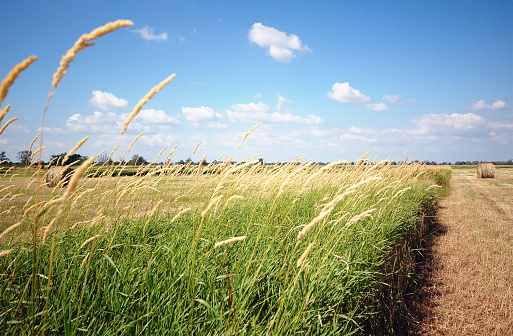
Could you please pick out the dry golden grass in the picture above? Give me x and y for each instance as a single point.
(470, 289)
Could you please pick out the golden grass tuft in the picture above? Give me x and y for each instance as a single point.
(144, 100)
(229, 241)
(13, 74)
(7, 124)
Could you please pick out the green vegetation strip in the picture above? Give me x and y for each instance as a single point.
(165, 274)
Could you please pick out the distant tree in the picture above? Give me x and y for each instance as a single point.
(25, 157)
(137, 160)
(4, 157)
(104, 160)
(181, 162)
(58, 159)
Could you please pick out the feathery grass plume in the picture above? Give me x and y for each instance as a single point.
(82, 43)
(13, 74)
(76, 176)
(324, 213)
(360, 216)
(4, 112)
(36, 152)
(211, 204)
(171, 153)
(160, 153)
(88, 241)
(144, 100)
(48, 228)
(131, 144)
(304, 255)
(7, 124)
(5, 252)
(73, 150)
(33, 140)
(179, 214)
(9, 229)
(232, 198)
(228, 241)
(249, 132)
(199, 143)
(155, 208)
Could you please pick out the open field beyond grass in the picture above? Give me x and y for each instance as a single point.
(469, 288)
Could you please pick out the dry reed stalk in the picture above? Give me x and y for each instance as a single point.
(7, 124)
(5, 252)
(82, 43)
(484, 170)
(360, 216)
(199, 143)
(34, 140)
(304, 255)
(130, 147)
(144, 100)
(73, 150)
(213, 202)
(48, 228)
(9, 229)
(89, 240)
(324, 213)
(4, 112)
(232, 198)
(228, 241)
(13, 74)
(36, 152)
(179, 214)
(171, 153)
(248, 133)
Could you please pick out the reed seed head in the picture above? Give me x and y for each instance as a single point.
(12, 75)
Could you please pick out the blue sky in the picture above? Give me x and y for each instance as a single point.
(328, 79)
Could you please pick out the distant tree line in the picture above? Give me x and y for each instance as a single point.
(25, 158)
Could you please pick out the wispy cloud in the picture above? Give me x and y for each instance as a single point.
(106, 101)
(482, 105)
(148, 33)
(199, 114)
(377, 106)
(256, 112)
(392, 99)
(280, 46)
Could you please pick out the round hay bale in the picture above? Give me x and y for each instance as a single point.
(485, 170)
(58, 176)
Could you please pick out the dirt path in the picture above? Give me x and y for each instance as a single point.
(469, 275)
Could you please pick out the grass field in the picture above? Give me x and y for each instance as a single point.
(141, 254)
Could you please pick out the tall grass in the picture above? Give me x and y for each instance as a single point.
(216, 249)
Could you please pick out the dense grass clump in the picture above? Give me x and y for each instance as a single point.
(160, 273)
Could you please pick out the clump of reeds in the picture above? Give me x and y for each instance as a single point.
(485, 170)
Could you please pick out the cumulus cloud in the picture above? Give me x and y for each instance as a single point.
(454, 124)
(281, 101)
(198, 114)
(317, 132)
(111, 122)
(344, 93)
(376, 106)
(106, 101)
(148, 33)
(482, 105)
(255, 112)
(279, 45)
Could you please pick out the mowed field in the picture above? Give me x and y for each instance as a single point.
(469, 289)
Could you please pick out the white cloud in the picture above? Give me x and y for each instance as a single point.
(148, 33)
(281, 101)
(344, 93)
(393, 99)
(197, 114)
(454, 124)
(106, 101)
(181, 38)
(52, 130)
(111, 122)
(262, 112)
(319, 132)
(482, 105)
(280, 46)
(377, 106)
(213, 124)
